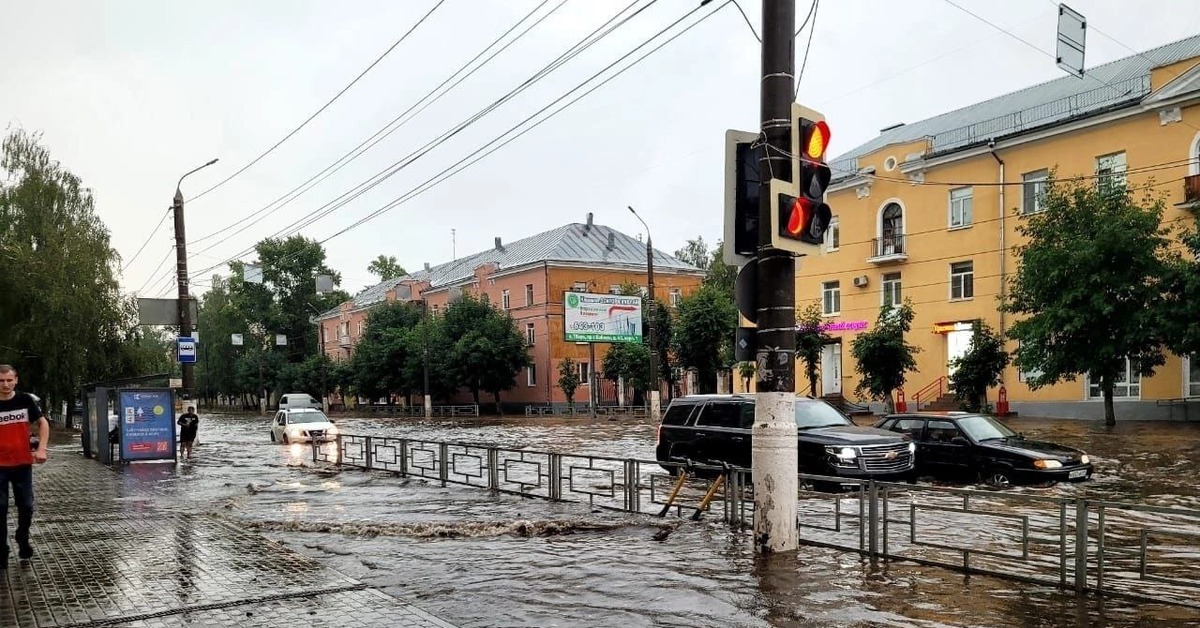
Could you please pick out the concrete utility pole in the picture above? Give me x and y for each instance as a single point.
(654, 401)
(428, 396)
(185, 312)
(773, 458)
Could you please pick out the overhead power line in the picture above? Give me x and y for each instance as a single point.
(148, 238)
(323, 107)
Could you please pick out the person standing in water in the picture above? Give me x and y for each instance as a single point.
(189, 424)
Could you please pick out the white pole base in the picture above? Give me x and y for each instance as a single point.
(773, 462)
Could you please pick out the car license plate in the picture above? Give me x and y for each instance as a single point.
(1078, 473)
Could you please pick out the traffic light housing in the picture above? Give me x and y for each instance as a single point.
(800, 215)
(743, 151)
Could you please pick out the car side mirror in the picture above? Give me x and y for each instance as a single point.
(959, 440)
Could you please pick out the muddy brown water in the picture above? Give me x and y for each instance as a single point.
(479, 559)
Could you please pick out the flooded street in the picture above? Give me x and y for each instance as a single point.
(480, 559)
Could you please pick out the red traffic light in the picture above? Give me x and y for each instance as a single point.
(807, 220)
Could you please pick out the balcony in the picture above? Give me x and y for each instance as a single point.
(344, 341)
(1191, 190)
(889, 250)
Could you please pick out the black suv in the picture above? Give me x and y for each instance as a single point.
(717, 428)
(961, 446)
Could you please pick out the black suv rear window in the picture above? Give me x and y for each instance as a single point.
(727, 414)
(678, 414)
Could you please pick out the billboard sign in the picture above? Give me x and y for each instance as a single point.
(602, 317)
(147, 420)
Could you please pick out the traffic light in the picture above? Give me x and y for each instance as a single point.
(743, 151)
(800, 215)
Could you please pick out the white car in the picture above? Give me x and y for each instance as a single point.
(302, 425)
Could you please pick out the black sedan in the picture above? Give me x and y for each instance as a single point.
(958, 446)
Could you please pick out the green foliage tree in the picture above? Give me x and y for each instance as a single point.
(718, 274)
(882, 355)
(568, 381)
(486, 348)
(290, 267)
(1182, 291)
(383, 353)
(1089, 289)
(706, 323)
(63, 319)
(810, 340)
(980, 368)
(747, 370)
(629, 362)
(386, 267)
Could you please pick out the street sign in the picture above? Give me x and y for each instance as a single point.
(236, 339)
(745, 344)
(1072, 39)
(163, 311)
(186, 349)
(745, 290)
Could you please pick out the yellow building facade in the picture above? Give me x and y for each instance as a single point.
(930, 212)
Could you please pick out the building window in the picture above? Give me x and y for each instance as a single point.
(505, 302)
(1110, 170)
(1026, 376)
(1128, 384)
(1193, 374)
(435, 310)
(891, 229)
(528, 294)
(614, 289)
(962, 280)
(831, 298)
(531, 375)
(891, 290)
(676, 296)
(1033, 191)
(578, 286)
(585, 372)
(529, 334)
(833, 235)
(359, 333)
(961, 207)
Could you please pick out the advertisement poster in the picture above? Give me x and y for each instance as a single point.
(602, 317)
(147, 420)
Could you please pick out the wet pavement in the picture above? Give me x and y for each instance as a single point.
(480, 559)
(107, 555)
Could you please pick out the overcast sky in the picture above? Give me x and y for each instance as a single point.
(131, 94)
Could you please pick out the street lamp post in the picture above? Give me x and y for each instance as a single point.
(653, 309)
(185, 313)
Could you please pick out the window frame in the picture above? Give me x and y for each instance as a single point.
(1116, 172)
(964, 283)
(1036, 182)
(530, 334)
(1132, 379)
(505, 299)
(585, 370)
(531, 375)
(833, 235)
(831, 289)
(675, 296)
(965, 201)
(528, 294)
(898, 290)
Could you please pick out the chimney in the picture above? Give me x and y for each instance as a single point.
(889, 128)
(499, 244)
(426, 265)
(612, 240)
(588, 227)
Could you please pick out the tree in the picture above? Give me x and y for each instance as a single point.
(629, 362)
(707, 320)
(63, 318)
(568, 381)
(747, 371)
(386, 267)
(290, 267)
(810, 341)
(1089, 287)
(979, 368)
(696, 253)
(883, 357)
(720, 275)
(486, 348)
(1182, 287)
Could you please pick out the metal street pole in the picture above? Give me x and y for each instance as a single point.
(773, 455)
(428, 397)
(185, 313)
(654, 401)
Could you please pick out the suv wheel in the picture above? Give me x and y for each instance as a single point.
(998, 478)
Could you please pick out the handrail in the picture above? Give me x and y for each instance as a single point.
(937, 383)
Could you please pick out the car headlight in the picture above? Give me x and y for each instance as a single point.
(912, 448)
(845, 453)
(1084, 459)
(333, 430)
(1047, 464)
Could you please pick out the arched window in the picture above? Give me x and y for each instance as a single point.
(891, 229)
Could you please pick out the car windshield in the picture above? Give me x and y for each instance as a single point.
(981, 428)
(308, 417)
(811, 414)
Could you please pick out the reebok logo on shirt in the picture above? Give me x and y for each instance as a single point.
(20, 415)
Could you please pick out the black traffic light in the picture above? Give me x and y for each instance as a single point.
(806, 217)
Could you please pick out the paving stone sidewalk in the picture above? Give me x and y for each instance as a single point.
(107, 556)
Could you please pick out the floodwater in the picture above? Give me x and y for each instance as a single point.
(479, 559)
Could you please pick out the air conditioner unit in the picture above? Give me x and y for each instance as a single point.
(860, 281)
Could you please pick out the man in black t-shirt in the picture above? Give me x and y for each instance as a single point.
(18, 411)
(189, 424)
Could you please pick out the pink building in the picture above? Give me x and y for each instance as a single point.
(528, 278)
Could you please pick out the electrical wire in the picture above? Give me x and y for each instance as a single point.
(323, 107)
(381, 176)
(813, 14)
(390, 127)
(1166, 165)
(159, 265)
(148, 238)
(477, 155)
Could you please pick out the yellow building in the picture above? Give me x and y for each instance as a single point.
(929, 211)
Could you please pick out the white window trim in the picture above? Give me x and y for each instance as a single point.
(883, 289)
(838, 290)
(1194, 156)
(528, 294)
(675, 297)
(950, 210)
(584, 378)
(834, 227)
(530, 334)
(530, 376)
(1087, 387)
(1187, 375)
(879, 217)
(1043, 177)
(950, 290)
(1115, 173)
(505, 300)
